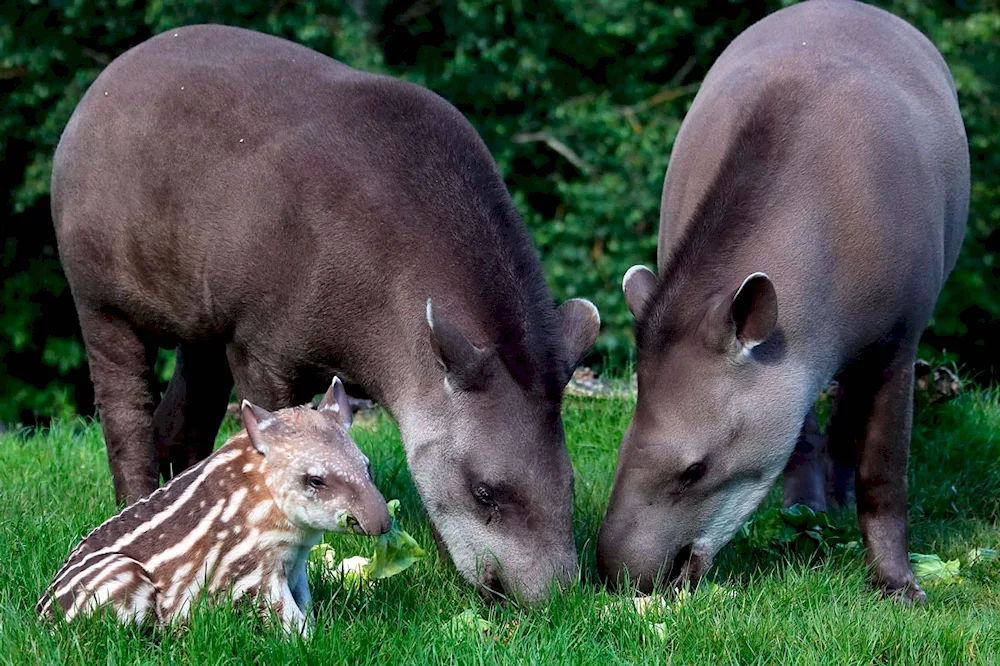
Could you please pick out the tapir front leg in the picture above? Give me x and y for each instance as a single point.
(881, 405)
(190, 412)
(804, 479)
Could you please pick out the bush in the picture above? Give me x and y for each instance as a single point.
(579, 102)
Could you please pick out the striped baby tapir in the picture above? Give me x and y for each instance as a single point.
(240, 524)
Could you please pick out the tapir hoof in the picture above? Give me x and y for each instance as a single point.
(908, 594)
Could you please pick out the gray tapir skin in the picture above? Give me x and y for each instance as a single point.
(815, 202)
(281, 218)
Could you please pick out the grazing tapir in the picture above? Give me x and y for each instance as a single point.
(240, 523)
(814, 204)
(280, 217)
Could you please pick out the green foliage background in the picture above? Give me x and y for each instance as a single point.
(579, 102)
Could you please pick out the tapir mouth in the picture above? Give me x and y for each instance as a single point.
(689, 565)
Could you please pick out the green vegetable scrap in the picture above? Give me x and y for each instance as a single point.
(395, 551)
(797, 526)
(980, 555)
(469, 621)
(346, 522)
(931, 569)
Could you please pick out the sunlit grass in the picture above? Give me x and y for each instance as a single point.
(788, 608)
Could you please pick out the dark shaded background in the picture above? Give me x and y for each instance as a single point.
(579, 102)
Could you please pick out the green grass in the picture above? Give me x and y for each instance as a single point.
(789, 607)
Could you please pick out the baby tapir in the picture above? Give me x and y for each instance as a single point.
(241, 522)
(815, 202)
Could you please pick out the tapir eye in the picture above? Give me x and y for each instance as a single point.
(484, 495)
(692, 474)
(316, 482)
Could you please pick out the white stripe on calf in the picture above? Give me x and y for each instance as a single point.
(68, 587)
(235, 553)
(185, 544)
(234, 503)
(158, 519)
(88, 591)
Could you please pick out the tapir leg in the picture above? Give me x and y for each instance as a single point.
(188, 417)
(121, 367)
(880, 406)
(804, 479)
(846, 428)
(260, 383)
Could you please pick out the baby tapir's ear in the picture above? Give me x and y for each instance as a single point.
(256, 419)
(335, 400)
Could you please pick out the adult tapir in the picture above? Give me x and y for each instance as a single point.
(814, 204)
(280, 217)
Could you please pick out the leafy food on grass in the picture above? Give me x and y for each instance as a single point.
(931, 569)
(469, 621)
(395, 551)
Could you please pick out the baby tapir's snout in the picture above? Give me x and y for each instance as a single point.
(370, 513)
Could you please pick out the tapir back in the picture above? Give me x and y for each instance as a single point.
(881, 118)
(339, 197)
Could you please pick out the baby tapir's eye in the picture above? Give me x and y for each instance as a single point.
(315, 481)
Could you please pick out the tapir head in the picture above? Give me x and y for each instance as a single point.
(318, 476)
(493, 470)
(714, 424)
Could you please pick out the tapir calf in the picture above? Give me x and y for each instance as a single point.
(279, 218)
(814, 205)
(240, 523)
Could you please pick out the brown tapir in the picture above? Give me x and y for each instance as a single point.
(815, 202)
(280, 217)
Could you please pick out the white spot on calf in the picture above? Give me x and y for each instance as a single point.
(234, 503)
(260, 511)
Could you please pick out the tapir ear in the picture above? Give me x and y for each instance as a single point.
(580, 322)
(639, 284)
(335, 401)
(754, 310)
(255, 420)
(466, 366)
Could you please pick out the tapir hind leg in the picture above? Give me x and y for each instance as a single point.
(190, 412)
(876, 411)
(121, 367)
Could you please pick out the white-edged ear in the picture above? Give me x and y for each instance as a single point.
(580, 324)
(335, 401)
(754, 310)
(255, 420)
(638, 285)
